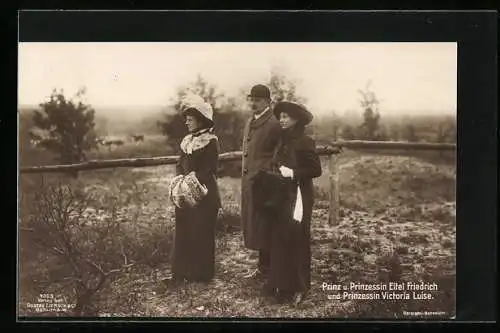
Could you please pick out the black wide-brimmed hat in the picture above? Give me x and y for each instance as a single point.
(260, 91)
(294, 110)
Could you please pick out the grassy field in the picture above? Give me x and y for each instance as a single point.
(397, 225)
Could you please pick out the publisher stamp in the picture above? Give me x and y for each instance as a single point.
(50, 303)
(423, 313)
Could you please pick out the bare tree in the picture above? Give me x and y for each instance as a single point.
(284, 88)
(371, 115)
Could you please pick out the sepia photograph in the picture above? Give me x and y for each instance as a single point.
(237, 180)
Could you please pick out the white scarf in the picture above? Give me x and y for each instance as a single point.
(197, 140)
(299, 209)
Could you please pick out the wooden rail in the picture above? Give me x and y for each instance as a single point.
(331, 150)
(142, 162)
(396, 145)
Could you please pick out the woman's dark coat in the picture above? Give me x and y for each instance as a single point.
(291, 241)
(193, 257)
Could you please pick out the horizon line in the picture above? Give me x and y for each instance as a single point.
(323, 112)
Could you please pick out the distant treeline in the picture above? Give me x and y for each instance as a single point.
(414, 128)
(70, 129)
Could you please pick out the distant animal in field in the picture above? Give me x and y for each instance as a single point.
(35, 139)
(100, 142)
(109, 143)
(118, 142)
(137, 138)
(35, 143)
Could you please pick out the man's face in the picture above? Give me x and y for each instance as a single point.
(258, 104)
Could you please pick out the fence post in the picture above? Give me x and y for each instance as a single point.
(334, 190)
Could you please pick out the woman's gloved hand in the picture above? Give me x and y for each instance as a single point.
(286, 172)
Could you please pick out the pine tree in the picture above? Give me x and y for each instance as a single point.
(68, 126)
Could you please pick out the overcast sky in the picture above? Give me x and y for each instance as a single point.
(405, 76)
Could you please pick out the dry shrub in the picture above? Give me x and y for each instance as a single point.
(85, 242)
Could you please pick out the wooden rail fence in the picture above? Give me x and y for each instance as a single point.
(331, 150)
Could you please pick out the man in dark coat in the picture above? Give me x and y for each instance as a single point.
(261, 136)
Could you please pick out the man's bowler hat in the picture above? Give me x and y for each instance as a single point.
(260, 91)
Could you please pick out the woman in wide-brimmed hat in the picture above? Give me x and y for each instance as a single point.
(296, 161)
(195, 193)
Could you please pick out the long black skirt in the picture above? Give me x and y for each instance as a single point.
(193, 256)
(290, 264)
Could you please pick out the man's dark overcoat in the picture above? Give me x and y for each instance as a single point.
(260, 139)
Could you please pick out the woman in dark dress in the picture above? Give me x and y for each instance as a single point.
(193, 257)
(298, 163)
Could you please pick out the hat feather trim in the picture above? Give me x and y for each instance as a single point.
(191, 100)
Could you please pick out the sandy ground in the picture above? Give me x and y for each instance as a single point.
(397, 223)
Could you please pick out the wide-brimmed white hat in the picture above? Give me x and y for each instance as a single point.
(193, 101)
